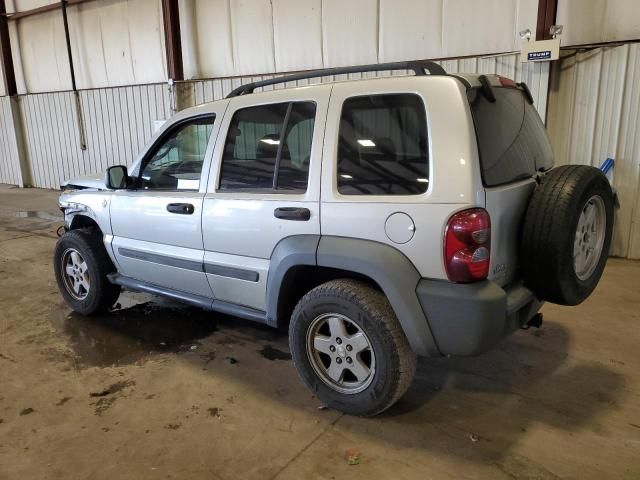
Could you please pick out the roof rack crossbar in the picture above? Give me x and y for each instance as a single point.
(418, 67)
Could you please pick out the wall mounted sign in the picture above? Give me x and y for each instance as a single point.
(540, 51)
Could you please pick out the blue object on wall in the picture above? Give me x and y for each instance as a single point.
(607, 165)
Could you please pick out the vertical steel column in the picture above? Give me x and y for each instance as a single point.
(173, 43)
(547, 10)
(173, 46)
(9, 76)
(76, 94)
(15, 134)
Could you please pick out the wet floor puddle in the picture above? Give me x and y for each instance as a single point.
(143, 325)
(134, 331)
(271, 353)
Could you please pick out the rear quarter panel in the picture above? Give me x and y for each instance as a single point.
(454, 174)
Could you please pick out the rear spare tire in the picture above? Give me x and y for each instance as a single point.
(567, 234)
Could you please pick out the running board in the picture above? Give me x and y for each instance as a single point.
(188, 298)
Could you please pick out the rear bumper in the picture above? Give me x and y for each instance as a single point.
(469, 319)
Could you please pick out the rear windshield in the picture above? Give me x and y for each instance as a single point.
(512, 140)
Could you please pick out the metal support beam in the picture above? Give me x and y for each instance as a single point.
(45, 8)
(173, 44)
(8, 72)
(15, 129)
(18, 142)
(72, 73)
(547, 10)
(67, 39)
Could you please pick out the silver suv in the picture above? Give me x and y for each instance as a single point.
(378, 219)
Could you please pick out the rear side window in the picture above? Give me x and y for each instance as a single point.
(268, 148)
(382, 148)
(512, 140)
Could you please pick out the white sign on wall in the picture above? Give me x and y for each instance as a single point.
(540, 51)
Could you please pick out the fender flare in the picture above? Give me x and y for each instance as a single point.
(394, 273)
(290, 252)
(385, 265)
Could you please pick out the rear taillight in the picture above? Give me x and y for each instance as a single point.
(467, 243)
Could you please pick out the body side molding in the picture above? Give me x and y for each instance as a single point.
(220, 270)
(161, 259)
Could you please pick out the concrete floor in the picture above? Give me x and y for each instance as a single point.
(157, 390)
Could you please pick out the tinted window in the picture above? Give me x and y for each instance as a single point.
(512, 140)
(268, 148)
(176, 162)
(382, 148)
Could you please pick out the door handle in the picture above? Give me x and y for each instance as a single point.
(292, 213)
(180, 208)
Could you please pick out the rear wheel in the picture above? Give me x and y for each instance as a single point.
(349, 348)
(81, 266)
(567, 234)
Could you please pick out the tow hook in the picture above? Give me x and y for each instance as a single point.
(536, 321)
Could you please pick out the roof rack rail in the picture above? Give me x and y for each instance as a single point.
(418, 67)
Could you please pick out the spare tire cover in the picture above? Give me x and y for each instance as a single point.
(567, 234)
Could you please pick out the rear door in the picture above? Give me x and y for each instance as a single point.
(264, 186)
(399, 158)
(513, 145)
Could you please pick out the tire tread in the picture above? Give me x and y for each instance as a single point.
(545, 235)
(377, 307)
(90, 241)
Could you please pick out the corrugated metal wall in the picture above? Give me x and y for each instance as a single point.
(118, 123)
(243, 37)
(9, 160)
(594, 113)
(597, 21)
(536, 75)
(114, 42)
(121, 42)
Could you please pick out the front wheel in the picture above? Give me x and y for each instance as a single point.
(81, 265)
(349, 348)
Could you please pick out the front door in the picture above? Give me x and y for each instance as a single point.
(264, 186)
(157, 232)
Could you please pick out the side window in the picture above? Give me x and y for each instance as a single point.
(382, 147)
(268, 148)
(176, 162)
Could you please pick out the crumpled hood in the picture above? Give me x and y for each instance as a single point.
(94, 181)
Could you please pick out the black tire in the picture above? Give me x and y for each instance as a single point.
(370, 311)
(550, 229)
(102, 294)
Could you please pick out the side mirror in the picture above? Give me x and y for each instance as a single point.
(117, 178)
